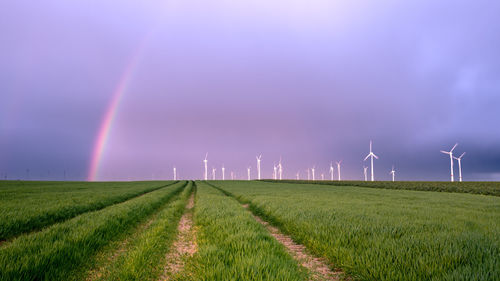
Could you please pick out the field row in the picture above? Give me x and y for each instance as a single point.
(485, 188)
(56, 251)
(30, 206)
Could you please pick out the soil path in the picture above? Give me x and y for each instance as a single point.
(318, 267)
(185, 245)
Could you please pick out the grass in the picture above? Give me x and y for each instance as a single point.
(383, 234)
(233, 246)
(144, 258)
(485, 188)
(53, 253)
(30, 206)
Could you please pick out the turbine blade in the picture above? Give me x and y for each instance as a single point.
(366, 157)
(376, 157)
(461, 155)
(445, 152)
(454, 147)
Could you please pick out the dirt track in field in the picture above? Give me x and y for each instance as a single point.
(317, 267)
(185, 245)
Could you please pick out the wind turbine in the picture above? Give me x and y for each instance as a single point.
(280, 169)
(223, 172)
(175, 174)
(248, 172)
(393, 173)
(274, 172)
(232, 175)
(312, 170)
(258, 166)
(338, 168)
(213, 173)
(371, 155)
(331, 171)
(308, 174)
(322, 176)
(365, 170)
(451, 159)
(206, 169)
(459, 159)
(298, 175)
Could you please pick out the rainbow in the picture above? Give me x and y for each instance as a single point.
(109, 116)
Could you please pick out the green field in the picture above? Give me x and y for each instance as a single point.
(29, 206)
(126, 230)
(486, 188)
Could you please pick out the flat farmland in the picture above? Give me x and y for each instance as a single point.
(384, 234)
(245, 230)
(29, 206)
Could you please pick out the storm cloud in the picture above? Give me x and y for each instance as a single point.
(308, 81)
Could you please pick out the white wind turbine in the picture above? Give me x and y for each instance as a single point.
(280, 169)
(331, 171)
(393, 173)
(451, 159)
(232, 175)
(298, 175)
(258, 166)
(206, 168)
(338, 168)
(213, 173)
(275, 174)
(248, 172)
(459, 159)
(365, 172)
(175, 174)
(223, 172)
(322, 176)
(371, 155)
(308, 174)
(312, 170)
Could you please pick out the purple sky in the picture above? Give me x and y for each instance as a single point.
(311, 81)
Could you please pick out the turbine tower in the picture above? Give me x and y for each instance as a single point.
(451, 159)
(459, 159)
(331, 171)
(322, 176)
(213, 173)
(223, 172)
(206, 168)
(393, 173)
(280, 169)
(298, 176)
(175, 174)
(338, 168)
(248, 172)
(258, 166)
(308, 174)
(312, 170)
(371, 155)
(365, 172)
(232, 175)
(274, 172)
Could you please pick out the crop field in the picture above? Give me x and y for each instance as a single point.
(486, 188)
(28, 206)
(247, 230)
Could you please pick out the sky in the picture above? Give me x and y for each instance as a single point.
(126, 90)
